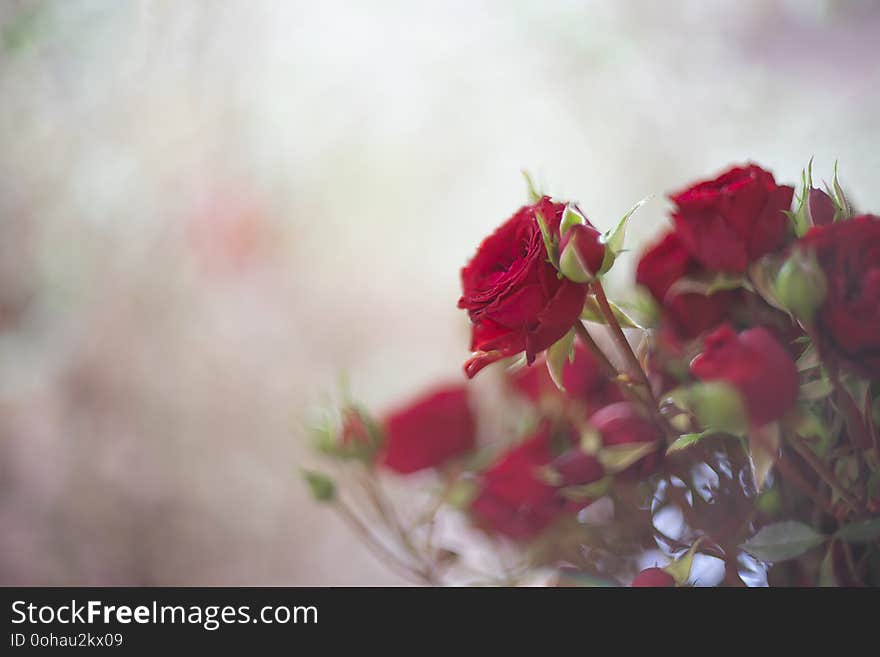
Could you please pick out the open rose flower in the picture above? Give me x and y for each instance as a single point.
(848, 321)
(433, 429)
(515, 498)
(754, 363)
(513, 295)
(687, 314)
(729, 222)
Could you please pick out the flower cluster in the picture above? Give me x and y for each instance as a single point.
(728, 414)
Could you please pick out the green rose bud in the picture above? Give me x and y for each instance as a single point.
(718, 406)
(800, 284)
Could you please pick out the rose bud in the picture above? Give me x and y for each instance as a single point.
(653, 577)
(583, 379)
(848, 321)
(581, 253)
(430, 431)
(630, 441)
(514, 497)
(821, 207)
(687, 314)
(733, 220)
(513, 295)
(756, 366)
(800, 284)
(718, 405)
(575, 467)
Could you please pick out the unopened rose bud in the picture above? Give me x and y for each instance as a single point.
(653, 577)
(800, 285)
(821, 207)
(719, 406)
(581, 253)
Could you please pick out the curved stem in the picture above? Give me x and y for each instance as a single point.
(587, 339)
(622, 342)
(381, 552)
(822, 470)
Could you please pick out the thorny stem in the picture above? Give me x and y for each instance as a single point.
(587, 339)
(622, 342)
(792, 474)
(822, 470)
(631, 358)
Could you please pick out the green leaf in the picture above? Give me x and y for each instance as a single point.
(764, 444)
(570, 217)
(816, 390)
(864, 531)
(809, 359)
(615, 237)
(593, 313)
(592, 491)
(840, 198)
(535, 194)
(782, 541)
(322, 487)
(549, 242)
(717, 283)
(688, 439)
(680, 569)
(616, 458)
(559, 353)
(762, 275)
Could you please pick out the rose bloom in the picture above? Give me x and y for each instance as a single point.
(733, 220)
(428, 432)
(513, 295)
(754, 363)
(688, 314)
(848, 321)
(514, 499)
(583, 378)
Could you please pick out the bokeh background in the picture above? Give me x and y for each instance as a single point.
(211, 211)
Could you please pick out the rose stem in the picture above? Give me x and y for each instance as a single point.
(621, 340)
(792, 474)
(377, 548)
(587, 339)
(807, 455)
(386, 511)
(631, 358)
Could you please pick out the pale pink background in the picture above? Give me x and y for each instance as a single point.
(211, 211)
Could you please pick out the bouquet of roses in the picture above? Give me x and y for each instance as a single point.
(722, 428)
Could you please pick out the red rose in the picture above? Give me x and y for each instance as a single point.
(583, 379)
(730, 221)
(653, 577)
(512, 293)
(623, 424)
(515, 499)
(691, 313)
(428, 432)
(756, 365)
(848, 321)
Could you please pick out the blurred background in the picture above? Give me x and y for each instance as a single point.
(209, 212)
